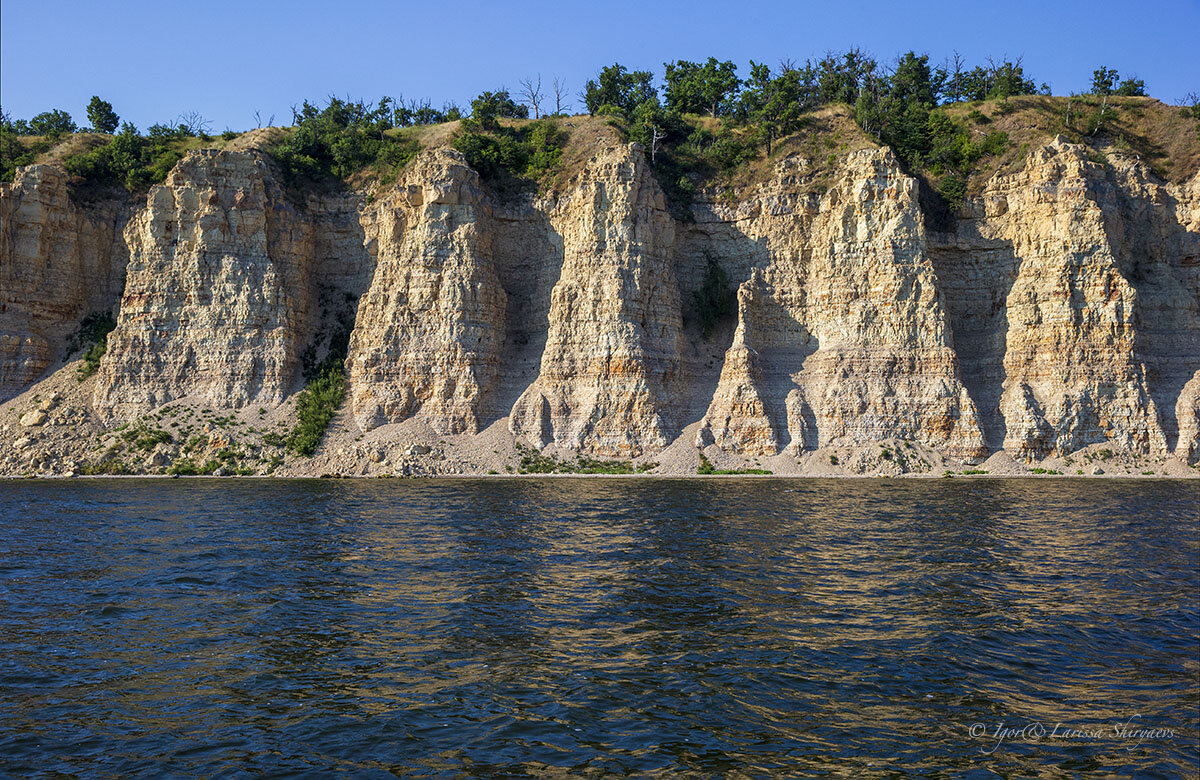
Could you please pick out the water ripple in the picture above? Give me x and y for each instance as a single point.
(598, 627)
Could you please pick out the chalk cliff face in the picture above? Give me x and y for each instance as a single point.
(429, 331)
(1062, 309)
(612, 346)
(218, 300)
(842, 334)
(59, 261)
(1075, 305)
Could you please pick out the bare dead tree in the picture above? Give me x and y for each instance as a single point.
(956, 73)
(657, 134)
(531, 94)
(787, 65)
(194, 122)
(560, 93)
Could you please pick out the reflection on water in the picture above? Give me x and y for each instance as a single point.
(597, 627)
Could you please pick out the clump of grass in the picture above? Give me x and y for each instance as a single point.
(111, 467)
(534, 462)
(153, 438)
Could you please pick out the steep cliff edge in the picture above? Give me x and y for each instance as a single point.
(59, 261)
(429, 330)
(1074, 304)
(612, 346)
(1058, 318)
(218, 300)
(842, 334)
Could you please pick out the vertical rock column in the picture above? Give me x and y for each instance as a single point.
(1072, 372)
(59, 262)
(844, 332)
(430, 328)
(612, 350)
(218, 300)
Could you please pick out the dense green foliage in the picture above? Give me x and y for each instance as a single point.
(1104, 82)
(899, 106)
(342, 139)
(618, 90)
(322, 396)
(501, 153)
(487, 109)
(130, 159)
(93, 337)
(100, 113)
(315, 407)
(53, 123)
(692, 88)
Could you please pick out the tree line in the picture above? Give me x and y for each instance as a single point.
(896, 104)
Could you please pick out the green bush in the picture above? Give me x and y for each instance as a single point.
(527, 153)
(130, 159)
(93, 332)
(315, 408)
(342, 139)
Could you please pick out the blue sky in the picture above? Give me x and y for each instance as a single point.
(154, 60)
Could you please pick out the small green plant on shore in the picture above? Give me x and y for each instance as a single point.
(105, 467)
(534, 462)
(315, 408)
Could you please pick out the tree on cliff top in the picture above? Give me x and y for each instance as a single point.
(617, 88)
(100, 113)
(693, 88)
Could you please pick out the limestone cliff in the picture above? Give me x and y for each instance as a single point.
(218, 301)
(1074, 304)
(429, 330)
(1059, 312)
(842, 333)
(59, 261)
(612, 346)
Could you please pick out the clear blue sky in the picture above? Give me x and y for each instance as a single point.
(154, 60)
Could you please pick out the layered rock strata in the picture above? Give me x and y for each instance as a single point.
(842, 335)
(429, 330)
(1061, 311)
(218, 302)
(59, 261)
(1074, 303)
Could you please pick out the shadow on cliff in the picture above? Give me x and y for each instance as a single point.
(975, 282)
(528, 256)
(1161, 260)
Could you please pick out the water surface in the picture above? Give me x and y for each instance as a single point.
(598, 627)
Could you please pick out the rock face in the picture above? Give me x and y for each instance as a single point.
(842, 335)
(1074, 306)
(612, 347)
(1061, 310)
(219, 299)
(59, 261)
(429, 331)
